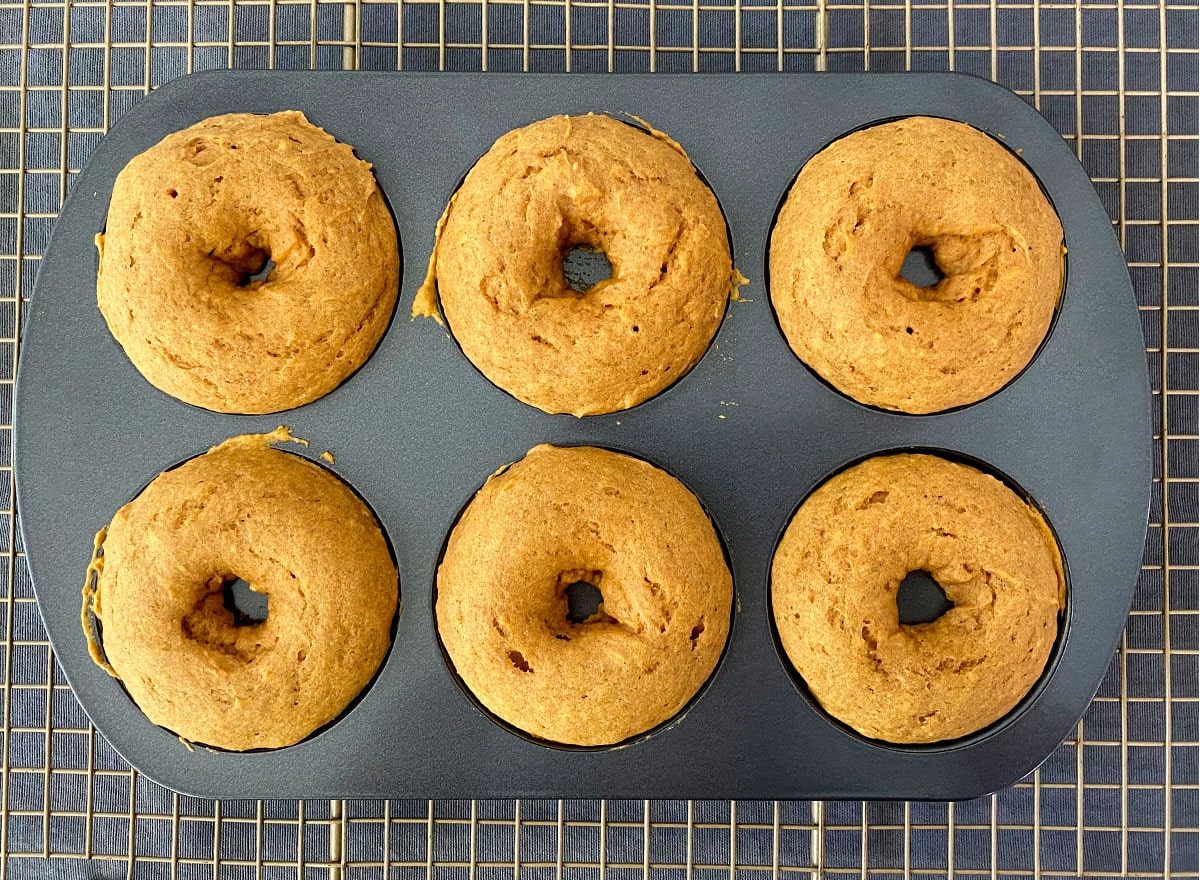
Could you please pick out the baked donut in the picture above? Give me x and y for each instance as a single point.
(839, 566)
(852, 216)
(593, 182)
(634, 532)
(288, 528)
(196, 216)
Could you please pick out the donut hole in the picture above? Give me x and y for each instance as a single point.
(584, 267)
(580, 600)
(920, 267)
(584, 601)
(252, 265)
(258, 278)
(244, 264)
(921, 599)
(248, 607)
(225, 616)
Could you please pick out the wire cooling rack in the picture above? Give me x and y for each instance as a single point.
(1118, 799)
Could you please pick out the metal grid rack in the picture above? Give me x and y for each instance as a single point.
(1119, 798)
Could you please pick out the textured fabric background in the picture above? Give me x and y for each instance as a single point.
(1119, 80)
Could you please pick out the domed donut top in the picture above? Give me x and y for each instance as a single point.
(594, 182)
(856, 210)
(193, 219)
(289, 529)
(559, 517)
(838, 569)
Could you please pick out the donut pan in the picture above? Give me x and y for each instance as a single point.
(751, 430)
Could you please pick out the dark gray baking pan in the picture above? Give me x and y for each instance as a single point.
(417, 430)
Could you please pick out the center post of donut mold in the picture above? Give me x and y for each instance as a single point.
(248, 607)
(920, 267)
(259, 276)
(580, 590)
(921, 599)
(584, 267)
(584, 601)
(249, 261)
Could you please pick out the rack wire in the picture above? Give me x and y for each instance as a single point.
(1119, 799)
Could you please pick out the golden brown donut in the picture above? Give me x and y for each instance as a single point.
(288, 528)
(564, 515)
(839, 566)
(852, 216)
(193, 217)
(585, 181)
